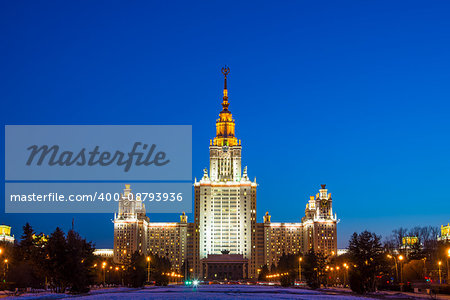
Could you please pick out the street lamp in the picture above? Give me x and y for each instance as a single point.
(439, 266)
(104, 272)
(345, 273)
(5, 269)
(148, 269)
(400, 258)
(396, 268)
(448, 266)
(300, 268)
(337, 276)
(424, 267)
(117, 276)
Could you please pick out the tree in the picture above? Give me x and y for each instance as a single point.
(264, 272)
(416, 251)
(288, 266)
(185, 270)
(161, 265)
(273, 268)
(313, 268)
(26, 261)
(57, 256)
(79, 258)
(136, 271)
(366, 253)
(26, 244)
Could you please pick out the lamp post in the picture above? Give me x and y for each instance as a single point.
(448, 266)
(104, 272)
(117, 274)
(338, 277)
(440, 275)
(400, 258)
(396, 268)
(332, 275)
(148, 269)
(424, 267)
(5, 269)
(345, 273)
(300, 268)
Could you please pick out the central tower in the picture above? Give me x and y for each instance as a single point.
(225, 198)
(225, 150)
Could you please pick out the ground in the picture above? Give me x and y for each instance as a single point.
(214, 292)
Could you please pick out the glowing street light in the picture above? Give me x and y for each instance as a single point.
(448, 266)
(396, 267)
(300, 259)
(148, 268)
(5, 269)
(104, 272)
(400, 258)
(440, 275)
(345, 273)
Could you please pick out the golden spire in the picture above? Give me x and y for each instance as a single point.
(225, 123)
(225, 72)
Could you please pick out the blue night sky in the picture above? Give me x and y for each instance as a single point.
(354, 94)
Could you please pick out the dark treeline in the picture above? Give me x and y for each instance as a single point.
(405, 258)
(58, 261)
(65, 263)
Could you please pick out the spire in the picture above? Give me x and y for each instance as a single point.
(225, 123)
(225, 72)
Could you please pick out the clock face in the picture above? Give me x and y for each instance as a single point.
(324, 202)
(225, 148)
(126, 203)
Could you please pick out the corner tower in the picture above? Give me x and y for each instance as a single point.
(319, 224)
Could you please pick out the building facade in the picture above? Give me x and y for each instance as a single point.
(133, 232)
(224, 218)
(5, 234)
(445, 233)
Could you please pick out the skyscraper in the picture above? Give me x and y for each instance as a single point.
(225, 238)
(225, 198)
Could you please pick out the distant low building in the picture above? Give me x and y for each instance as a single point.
(106, 253)
(342, 251)
(5, 234)
(408, 241)
(445, 233)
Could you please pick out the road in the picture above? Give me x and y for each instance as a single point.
(216, 292)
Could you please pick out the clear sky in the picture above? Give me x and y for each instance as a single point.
(354, 94)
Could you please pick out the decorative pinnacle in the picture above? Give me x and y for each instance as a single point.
(225, 71)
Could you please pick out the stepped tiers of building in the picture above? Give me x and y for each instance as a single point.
(224, 238)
